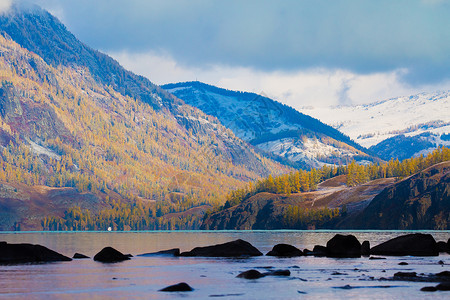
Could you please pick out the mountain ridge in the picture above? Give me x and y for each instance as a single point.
(62, 126)
(262, 121)
(424, 120)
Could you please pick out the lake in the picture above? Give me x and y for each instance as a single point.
(142, 277)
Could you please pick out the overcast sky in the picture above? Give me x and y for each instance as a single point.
(302, 53)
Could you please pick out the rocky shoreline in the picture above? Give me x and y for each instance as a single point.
(340, 246)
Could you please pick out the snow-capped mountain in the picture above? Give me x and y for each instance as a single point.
(396, 128)
(276, 129)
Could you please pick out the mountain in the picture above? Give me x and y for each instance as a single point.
(396, 128)
(72, 117)
(276, 129)
(421, 201)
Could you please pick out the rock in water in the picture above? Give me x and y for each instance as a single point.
(180, 287)
(110, 255)
(443, 286)
(285, 250)
(319, 251)
(365, 248)
(343, 246)
(169, 252)
(250, 274)
(80, 256)
(231, 249)
(278, 273)
(442, 246)
(416, 244)
(26, 253)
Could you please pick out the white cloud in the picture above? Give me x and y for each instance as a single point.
(5, 5)
(313, 87)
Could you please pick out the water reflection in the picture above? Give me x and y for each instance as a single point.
(142, 277)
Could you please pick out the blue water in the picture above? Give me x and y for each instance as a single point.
(142, 277)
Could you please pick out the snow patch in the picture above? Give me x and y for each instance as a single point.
(38, 150)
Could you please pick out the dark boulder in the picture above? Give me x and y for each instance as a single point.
(251, 274)
(255, 274)
(442, 246)
(416, 244)
(169, 252)
(28, 253)
(80, 256)
(110, 255)
(428, 289)
(365, 248)
(307, 252)
(285, 250)
(231, 249)
(179, 287)
(443, 286)
(278, 273)
(405, 275)
(319, 251)
(343, 246)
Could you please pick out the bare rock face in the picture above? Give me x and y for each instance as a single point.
(343, 246)
(416, 244)
(285, 250)
(28, 253)
(231, 249)
(420, 201)
(110, 255)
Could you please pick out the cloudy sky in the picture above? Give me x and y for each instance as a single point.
(302, 53)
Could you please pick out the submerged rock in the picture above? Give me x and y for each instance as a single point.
(26, 253)
(169, 252)
(255, 274)
(285, 250)
(278, 273)
(179, 287)
(405, 274)
(251, 274)
(343, 246)
(416, 244)
(428, 289)
(231, 249)
(110, 255)
(80, 256)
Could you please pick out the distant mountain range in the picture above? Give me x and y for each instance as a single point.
(275, 129)
(396, 128)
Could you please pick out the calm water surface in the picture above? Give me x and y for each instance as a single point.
(142, 277)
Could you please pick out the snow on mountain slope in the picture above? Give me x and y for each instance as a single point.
(272, 127)
(410, 116)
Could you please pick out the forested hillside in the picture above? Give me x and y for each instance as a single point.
(322, 198)
(62, 124)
